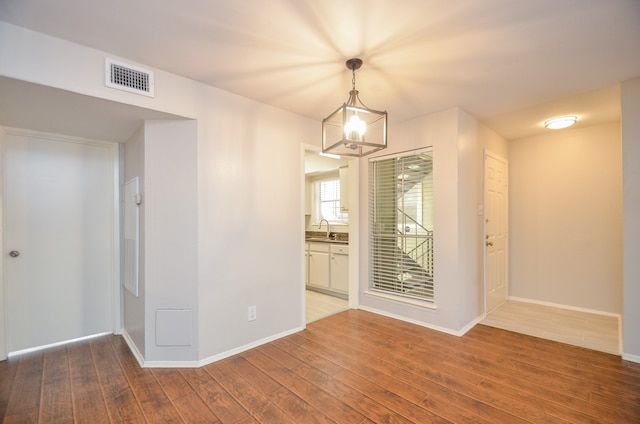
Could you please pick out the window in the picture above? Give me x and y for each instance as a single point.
(326, 203)
(401, 222)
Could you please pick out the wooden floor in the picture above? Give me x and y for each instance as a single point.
(352, 367)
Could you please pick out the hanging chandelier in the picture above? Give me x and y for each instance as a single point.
(354, 129)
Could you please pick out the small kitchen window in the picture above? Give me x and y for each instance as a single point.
(326, 201)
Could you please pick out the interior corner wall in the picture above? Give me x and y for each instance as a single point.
(631, 174)
(471, 294)
(565, 207)
(171, 239)
(452, 134)
(133, 307)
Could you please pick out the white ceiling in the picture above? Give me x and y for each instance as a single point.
(511, 63)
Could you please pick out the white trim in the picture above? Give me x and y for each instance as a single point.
(132, 347)
(116, 296)
(4, 340)
(240, 349)
(403, 153)
(402, 300)
(568, 307)
(458, 333)
(63, 342)
(631, 358)
(205, 361)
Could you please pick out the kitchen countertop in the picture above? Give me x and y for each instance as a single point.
(321, 237)
(324, 240)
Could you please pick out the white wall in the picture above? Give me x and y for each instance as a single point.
(631, 173)
(171, 240)
(471, 290)
(458, 298)
(133, 307)
(224, 232)
(566, 218)
(250, 221)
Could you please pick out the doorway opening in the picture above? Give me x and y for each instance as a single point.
(327, 234)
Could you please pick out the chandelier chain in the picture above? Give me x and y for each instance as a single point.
(353, 79)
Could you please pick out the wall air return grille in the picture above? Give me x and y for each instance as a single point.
(128, 78)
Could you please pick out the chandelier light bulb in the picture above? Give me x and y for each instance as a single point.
(355, 128)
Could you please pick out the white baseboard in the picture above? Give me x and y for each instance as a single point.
(458, 333)
(201, 362)
(251, 345)
(631, 358)
(50, 345)
(561, 306)
(472, 324)
(132, 347)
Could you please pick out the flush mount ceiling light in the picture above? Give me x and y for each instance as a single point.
(560, 122)
(354, 129)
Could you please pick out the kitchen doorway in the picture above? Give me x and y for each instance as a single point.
(327, 234)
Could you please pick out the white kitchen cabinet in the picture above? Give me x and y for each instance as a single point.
(339, 268)
(318, 256)
(327, 267)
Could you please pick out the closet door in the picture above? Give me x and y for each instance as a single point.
(59, 239)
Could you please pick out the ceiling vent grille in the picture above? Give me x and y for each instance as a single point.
(128, 78)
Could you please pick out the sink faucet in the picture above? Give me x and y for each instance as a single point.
(328, 226)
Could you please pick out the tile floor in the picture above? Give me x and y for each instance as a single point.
(321, 305)
(593, 331)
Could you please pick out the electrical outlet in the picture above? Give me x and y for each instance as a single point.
(251, 313)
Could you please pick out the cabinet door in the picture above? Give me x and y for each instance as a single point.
(319, 269)
(340, 272)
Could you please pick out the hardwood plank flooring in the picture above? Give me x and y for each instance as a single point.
(352, 367)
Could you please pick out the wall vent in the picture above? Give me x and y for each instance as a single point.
(128, 78)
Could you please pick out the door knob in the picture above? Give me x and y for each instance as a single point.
(489, 243)
(14, 253)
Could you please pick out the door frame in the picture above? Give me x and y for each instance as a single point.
(495, 156)
(354, 229)
(116, 297)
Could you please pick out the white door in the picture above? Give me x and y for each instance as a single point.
(496, 225)
(59, 239)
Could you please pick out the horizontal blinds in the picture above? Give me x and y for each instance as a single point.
(327, 201)
(401, 213)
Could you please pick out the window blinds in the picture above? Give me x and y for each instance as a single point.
(327, 201)
(401, 221)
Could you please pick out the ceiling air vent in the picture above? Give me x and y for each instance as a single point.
(128, 78)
